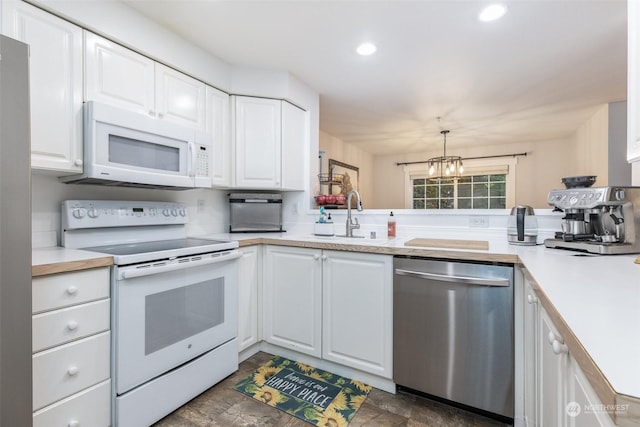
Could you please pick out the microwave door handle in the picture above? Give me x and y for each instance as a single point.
(190, 161)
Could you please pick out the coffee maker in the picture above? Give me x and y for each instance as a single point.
(600, 220)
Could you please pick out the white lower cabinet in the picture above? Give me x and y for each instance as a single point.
(248, 286)
(292, 313)
(557, 393)
(330, 304)
(72, 349)
(357, 311)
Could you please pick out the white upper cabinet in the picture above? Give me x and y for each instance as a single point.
(294, 143)
(270, 139)
(180, 98)
(121, 77)
(218, 128)
(55, 85)
(633, 83)
(257, 142)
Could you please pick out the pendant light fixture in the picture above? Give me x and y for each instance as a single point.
(445, 167)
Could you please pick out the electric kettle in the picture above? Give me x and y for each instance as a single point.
(522, 228)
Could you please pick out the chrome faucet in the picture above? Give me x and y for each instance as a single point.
(351, 225)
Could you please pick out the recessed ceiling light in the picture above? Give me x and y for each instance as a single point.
(492, 12)
(366, 49)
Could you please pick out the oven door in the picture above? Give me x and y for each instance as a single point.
(167, 313)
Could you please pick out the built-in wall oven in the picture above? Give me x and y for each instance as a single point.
(174, 303)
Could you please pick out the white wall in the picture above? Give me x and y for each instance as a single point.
(536, 173)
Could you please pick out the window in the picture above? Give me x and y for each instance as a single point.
(487, 184)
(470, 192)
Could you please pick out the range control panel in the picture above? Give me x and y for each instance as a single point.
(586, 198)
(112, 213)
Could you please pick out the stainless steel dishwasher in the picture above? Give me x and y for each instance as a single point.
(453, 332)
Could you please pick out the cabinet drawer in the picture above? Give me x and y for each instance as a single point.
(91, 407)
(61, 326)
(65, 370)
(65, 289)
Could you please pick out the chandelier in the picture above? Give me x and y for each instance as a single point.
(445, 167)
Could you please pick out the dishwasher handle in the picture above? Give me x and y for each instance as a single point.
(467, 280)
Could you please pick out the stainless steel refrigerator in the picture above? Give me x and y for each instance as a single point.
(15, 235)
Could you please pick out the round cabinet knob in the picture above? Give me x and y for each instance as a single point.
(78, 213)
(532, 299)
(324, 257)
(78, 162)
(73, 423)
(316, 257)
(72, 370)
(93, 213)
(559, 348)
(551, 337)
(72, 325)
(72, 290)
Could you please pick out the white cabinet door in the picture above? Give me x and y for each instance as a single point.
(530, 356)
(257, 136)
(583, 405)
(55, 85)
(292, 304)
(118, 76)
(218, 127)
(294, 142)
(357, 311)
(552, 369)
(248, 282)
(179, 98)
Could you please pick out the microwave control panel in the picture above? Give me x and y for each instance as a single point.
(202, 160)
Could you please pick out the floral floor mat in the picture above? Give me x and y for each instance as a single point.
(313, 395)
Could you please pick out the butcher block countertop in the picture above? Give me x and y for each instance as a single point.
(61, 260)
(593, 300)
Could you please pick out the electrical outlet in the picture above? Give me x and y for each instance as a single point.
(201, 206)
(479, 221)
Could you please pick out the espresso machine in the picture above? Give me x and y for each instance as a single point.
(599, 220)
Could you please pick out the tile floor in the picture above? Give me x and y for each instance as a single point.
(222, 406)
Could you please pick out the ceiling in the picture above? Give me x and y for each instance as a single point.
(535, 75)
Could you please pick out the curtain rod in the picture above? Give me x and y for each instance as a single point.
(466, 158)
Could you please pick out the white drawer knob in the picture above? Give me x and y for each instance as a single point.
(324, 257)
(73, 370)
(531, 299)
(72, 325)
(73, 423)
(77, 162)
(559, 348)
(551, 337)
(316, 257)
(72, 290)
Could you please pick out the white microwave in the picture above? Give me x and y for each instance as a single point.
(124, 148)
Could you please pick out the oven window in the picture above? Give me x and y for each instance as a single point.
(175, 315)
(133, 152)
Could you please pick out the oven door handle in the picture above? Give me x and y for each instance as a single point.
(159, 269)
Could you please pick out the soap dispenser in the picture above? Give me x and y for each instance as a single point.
(391, 226)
